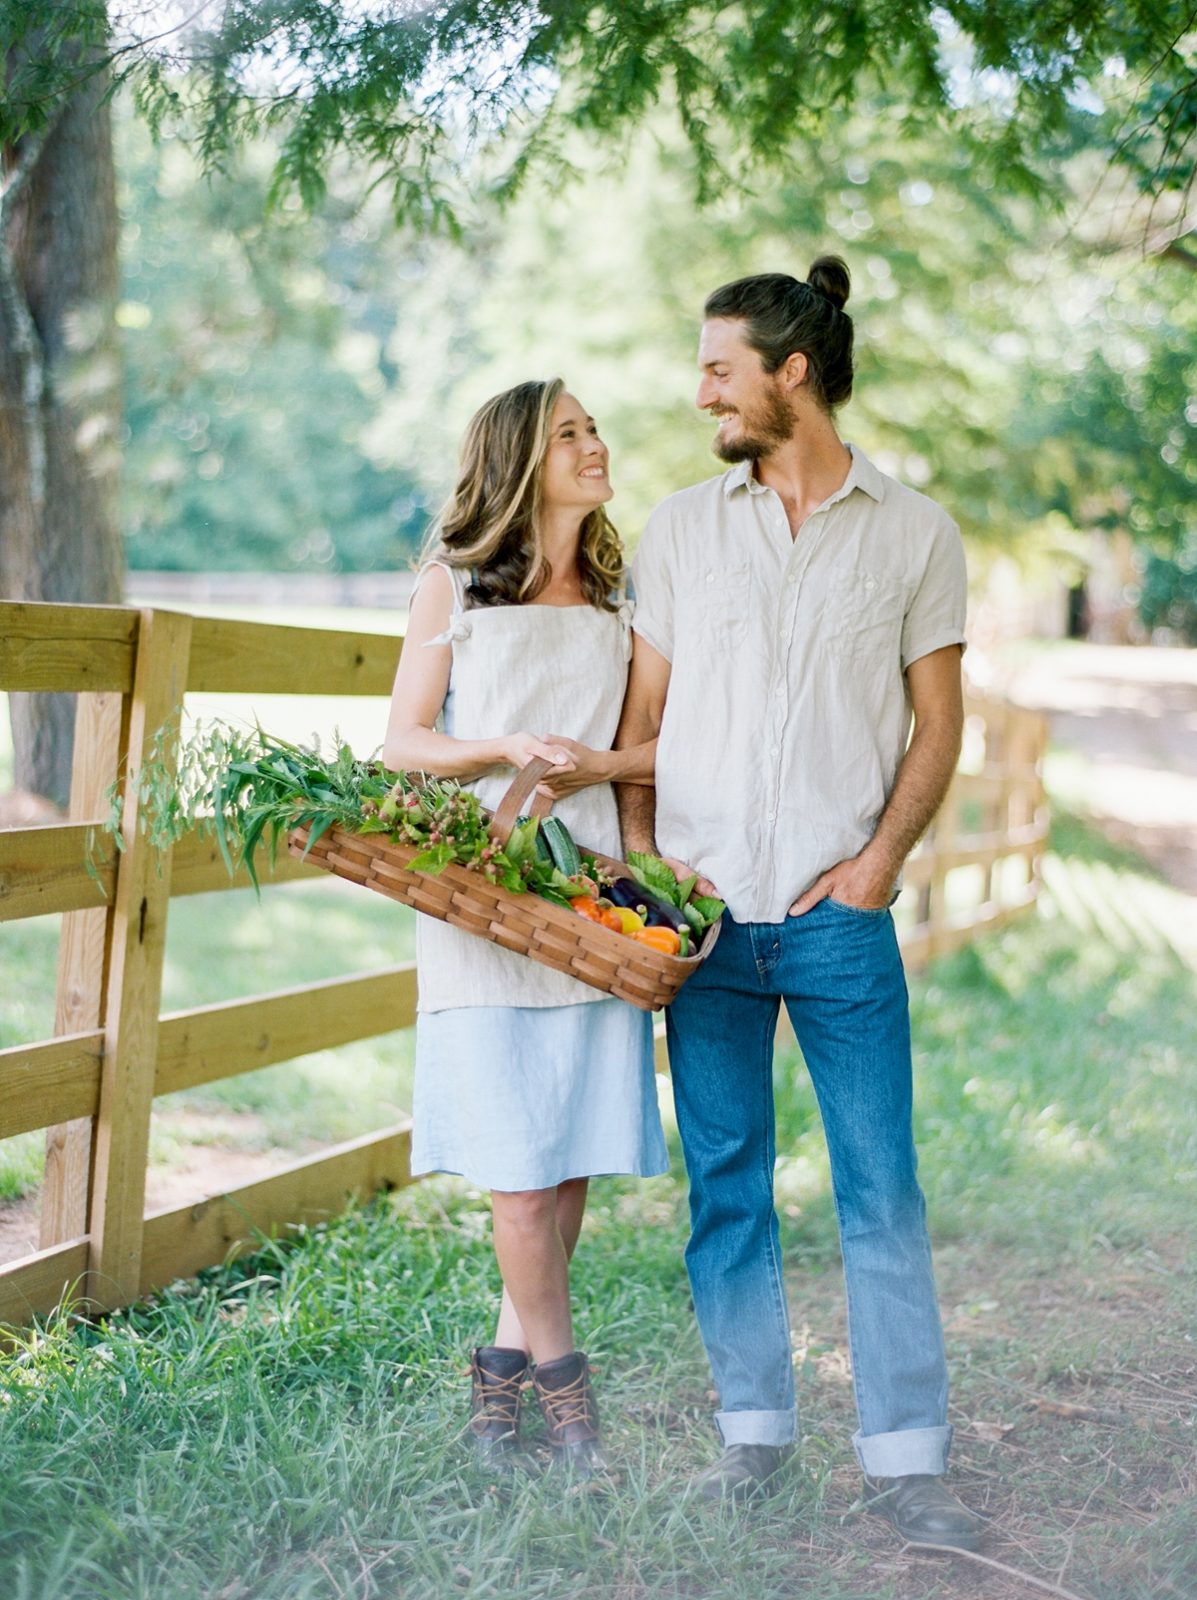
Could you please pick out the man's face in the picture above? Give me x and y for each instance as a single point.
(755, 415)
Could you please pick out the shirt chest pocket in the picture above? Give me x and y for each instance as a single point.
(864, 613)
(714, 604)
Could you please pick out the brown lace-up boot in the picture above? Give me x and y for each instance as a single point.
(571, 1415)
(496, 1376)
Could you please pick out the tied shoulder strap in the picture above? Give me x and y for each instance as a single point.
(460, 626)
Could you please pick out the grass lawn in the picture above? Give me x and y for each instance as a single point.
(290, 1427)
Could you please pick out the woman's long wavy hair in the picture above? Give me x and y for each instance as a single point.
(490, 524)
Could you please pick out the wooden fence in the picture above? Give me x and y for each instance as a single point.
(92, 1086)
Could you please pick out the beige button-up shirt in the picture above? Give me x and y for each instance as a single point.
(788, 712)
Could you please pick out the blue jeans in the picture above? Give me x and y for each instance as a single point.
(839, 972)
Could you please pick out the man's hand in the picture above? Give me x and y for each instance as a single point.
(861, 881)
(681, 872)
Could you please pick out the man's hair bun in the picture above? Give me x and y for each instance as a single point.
(829, 277)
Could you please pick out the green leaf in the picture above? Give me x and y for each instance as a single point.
(708, 907)
(249, 844)
(521, 846)
(655, 875)
(434, 860)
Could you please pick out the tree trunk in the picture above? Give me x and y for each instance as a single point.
(60, 396)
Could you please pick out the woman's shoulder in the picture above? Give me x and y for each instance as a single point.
(443, 583)
(435, 605)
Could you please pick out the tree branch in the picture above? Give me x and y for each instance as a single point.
(1177, 252)
(997, 1566)
(16, 180)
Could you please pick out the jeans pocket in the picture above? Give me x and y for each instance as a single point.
(856, 911)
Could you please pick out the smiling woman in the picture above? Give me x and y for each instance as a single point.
(527, 1081)
(533, 473)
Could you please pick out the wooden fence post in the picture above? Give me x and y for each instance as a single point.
(82, 970)
(134, 987)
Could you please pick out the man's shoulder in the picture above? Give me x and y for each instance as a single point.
(911, 508)
(690, 504)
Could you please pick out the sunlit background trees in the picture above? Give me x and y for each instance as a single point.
(258, 263)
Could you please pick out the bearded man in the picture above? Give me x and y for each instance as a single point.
(792, 617)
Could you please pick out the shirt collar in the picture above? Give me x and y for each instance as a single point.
(741, 476)
(862, 474)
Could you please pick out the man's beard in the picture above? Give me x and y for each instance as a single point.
(768, 425)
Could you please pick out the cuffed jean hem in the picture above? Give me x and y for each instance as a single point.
(898, 1455)
(757, 1427)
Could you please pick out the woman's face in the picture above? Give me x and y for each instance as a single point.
(574, 475)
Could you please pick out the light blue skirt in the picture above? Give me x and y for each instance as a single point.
(523, 1097)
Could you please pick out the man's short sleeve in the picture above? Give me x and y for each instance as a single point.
(652, 583)
(935, 617)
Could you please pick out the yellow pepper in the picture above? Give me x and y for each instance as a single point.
(629, 922)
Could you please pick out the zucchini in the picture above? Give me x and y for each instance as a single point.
(561, 847)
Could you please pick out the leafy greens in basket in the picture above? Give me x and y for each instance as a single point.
(249, 788)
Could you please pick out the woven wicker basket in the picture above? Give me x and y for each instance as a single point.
(525, 923)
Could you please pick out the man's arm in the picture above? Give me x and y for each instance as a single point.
(640, 722)
(867, 880)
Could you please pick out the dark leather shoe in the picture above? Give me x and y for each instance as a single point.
(743, 1470)
(571, 1417)
(924, 1511)
(496, 1377)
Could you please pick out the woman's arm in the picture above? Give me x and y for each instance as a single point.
(421, 683)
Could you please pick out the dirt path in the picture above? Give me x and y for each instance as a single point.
(1131, 714)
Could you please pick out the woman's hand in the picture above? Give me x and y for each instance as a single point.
(587, 767)
(517, 749)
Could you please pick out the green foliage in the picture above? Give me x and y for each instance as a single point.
(1106, 418)
(419, 91)
(659, 878)
(296, 389)
(249, 789)
(1030, 383)
(253, 366)
(1168, 593)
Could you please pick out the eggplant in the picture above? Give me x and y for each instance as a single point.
(626, 892)
(657, 913)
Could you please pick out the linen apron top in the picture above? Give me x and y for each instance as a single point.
(525, 669)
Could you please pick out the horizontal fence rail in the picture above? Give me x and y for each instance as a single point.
(93, 1085)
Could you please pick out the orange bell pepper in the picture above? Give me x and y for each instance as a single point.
(663, 939)
(596, 911)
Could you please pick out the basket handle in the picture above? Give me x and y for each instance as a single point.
(514, 803)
